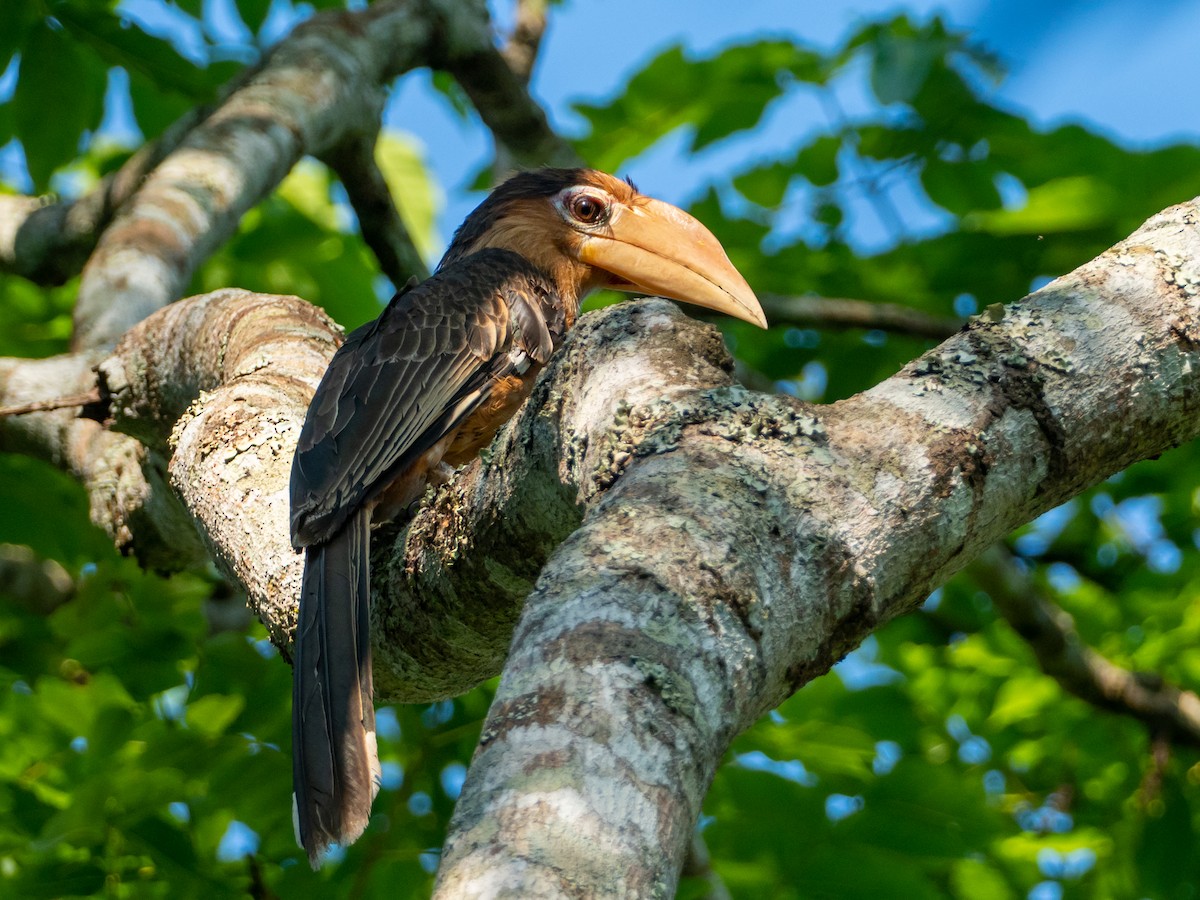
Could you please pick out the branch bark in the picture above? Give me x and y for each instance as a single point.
(48, 240)
(726, 569)
(316, 89)
(731, 546)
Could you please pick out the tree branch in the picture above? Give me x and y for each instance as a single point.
(497, 91)
(127, 491)
(521, 49)
(740, 554)
(48, 241)
(312, 92)
(1050, 633)
(731, 546)
(831, 312)
(353, 161)
(256, 360)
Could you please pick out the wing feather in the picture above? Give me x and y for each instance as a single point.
(402, 382)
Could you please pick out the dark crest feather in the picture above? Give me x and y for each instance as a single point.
(522, 186)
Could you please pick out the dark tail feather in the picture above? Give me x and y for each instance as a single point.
(335, 767)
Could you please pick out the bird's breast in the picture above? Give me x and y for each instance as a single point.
(481, 426)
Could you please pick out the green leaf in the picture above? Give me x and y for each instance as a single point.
(1166, 852)
(54, 879)
(900, 67)
(446, 85)
(153, 106)
(213, 713)
(960, 187)
(718, 97)
(974, 879)
(765, 185)
(55, 76)
(1075, 203)
(19, 17)
(818, 162)
(166, 841)
(1023, 697)
(120, 43)
(414, 192)
(254, 13)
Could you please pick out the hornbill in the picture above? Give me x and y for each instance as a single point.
(429, 383)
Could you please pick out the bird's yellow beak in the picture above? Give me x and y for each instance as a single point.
(655, 248)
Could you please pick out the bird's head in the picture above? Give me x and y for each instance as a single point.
(589, 230)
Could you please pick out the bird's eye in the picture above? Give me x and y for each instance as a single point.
(587, 209)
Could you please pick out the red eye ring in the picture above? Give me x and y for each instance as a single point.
(588, 209)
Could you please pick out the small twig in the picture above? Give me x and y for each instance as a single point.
(21, 409)
(1050, 633)
(353, 160)
(1152, 781)
(836, 312)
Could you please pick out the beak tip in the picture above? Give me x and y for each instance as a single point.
(751, 310)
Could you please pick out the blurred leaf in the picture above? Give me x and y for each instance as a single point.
(1166, 853)
(120, 43)
(1022, 698)
(960, 187)
(154, 107)
(973, 879)
(719, 96)
(413, 190)
(818, 160)
(59, 879)
(254, 13)
(19, 18)
(212, 714)
(765, 185)
(1075, 203)
(55, 75)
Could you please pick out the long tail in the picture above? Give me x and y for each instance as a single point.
(335, 766)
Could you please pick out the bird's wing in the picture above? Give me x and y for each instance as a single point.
(401, 383)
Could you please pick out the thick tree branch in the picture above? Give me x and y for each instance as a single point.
(316, 85)
(255, 361)
(738, 557)
(731, 546)
(48, 241)
(1082, 671)
(316, 89)
(125, 481)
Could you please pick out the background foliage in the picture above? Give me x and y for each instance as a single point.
(144, 728)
